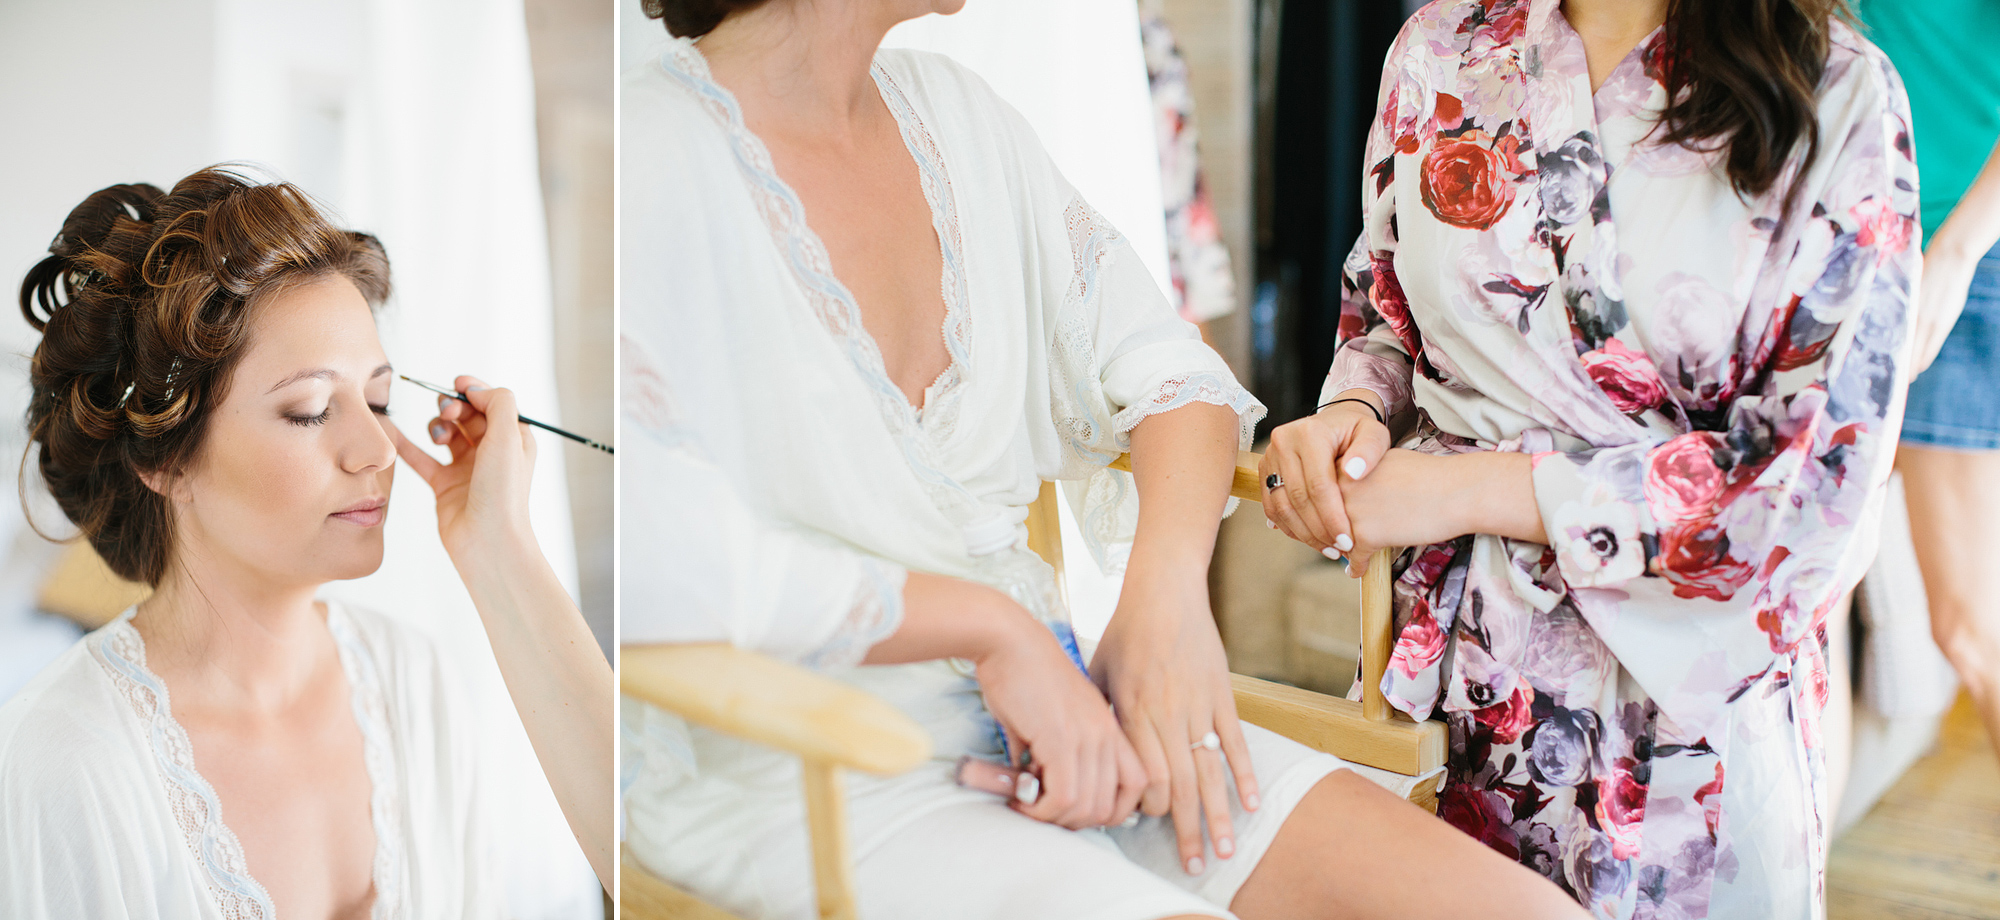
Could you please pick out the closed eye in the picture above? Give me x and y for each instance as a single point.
(310, 420)
(379, 410)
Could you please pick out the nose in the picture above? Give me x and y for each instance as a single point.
(365, 444)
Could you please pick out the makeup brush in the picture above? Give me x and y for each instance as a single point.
(580, 439)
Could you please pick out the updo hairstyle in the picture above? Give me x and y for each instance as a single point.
(695, 18)
(144, 306)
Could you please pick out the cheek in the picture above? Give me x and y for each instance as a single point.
(266, 484)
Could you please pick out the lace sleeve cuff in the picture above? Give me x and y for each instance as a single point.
(876, 614)
(1356, 368)
(1206, 387)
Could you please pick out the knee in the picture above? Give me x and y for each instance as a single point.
(1970, 643)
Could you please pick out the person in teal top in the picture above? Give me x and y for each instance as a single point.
(1950, 450)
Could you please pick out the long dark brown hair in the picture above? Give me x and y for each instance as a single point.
(694, 18)
(1743, 75)
(144, 305)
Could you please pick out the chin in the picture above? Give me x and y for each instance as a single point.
(361, 562)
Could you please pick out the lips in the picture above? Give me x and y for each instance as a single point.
(366, 513)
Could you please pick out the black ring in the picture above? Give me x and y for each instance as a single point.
(1273, 482)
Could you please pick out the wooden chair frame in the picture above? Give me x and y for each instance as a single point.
(830, 725)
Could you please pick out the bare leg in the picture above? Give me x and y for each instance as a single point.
(1353, 849)
(1954, 499)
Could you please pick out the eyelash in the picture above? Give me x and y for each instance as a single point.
(307, 421)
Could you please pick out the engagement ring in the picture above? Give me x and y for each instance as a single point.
(1274, 482)
(1207, 742)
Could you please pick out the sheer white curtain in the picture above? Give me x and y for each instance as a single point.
(412, 119)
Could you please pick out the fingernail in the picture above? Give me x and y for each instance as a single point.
(1355, 467)
(1331, 553)
(1225, 848)
(1343, 543)
(1271, 523)
(475, 388)
(439, 432)
(1194, 865)
(443, 401)
(1131, 821)
(1251, 801)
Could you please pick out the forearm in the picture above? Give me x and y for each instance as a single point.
(1974, 225)
(559, 681)
(1183, 462)
(1496, 496)
(947, 617)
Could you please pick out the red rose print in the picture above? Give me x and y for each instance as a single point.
(1482, 815)
(1419, 646)
(1512, 716)
(1695, 557)
(1449, 111)
(1709, 797)
(1621, 808)
(1881, 227)
(1627, 376)
(1506, 20)
(1682, 480)
(1465, 184)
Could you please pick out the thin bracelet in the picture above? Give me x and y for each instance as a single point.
(1356, 399)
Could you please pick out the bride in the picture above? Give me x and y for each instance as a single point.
(209, 409)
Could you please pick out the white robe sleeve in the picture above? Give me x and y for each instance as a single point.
(720, 571)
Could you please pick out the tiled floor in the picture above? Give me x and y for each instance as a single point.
(1931, 849)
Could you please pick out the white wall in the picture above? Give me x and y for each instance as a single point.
(412, 120)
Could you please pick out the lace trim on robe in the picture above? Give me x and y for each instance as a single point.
(876, 613)
(942, 398)
(1106, 505)
(122, 653)
(812, 270)
(197, 811)
(371, 713)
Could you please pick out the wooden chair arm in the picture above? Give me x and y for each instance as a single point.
(1339, 727)
(761, 699)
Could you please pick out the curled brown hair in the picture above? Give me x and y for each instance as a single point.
(694, 18)
(144, 307)
(1744, 75)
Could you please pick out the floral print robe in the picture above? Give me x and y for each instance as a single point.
(1710, 388)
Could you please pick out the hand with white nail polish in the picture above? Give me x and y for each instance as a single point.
(1313, 458)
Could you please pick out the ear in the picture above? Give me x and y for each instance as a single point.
(163, 483)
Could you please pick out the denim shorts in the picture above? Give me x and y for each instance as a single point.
(1955, 403)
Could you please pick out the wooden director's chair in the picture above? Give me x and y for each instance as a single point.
(831, 725)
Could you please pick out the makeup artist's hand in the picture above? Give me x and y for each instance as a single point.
(1162, 663)
(482, 494)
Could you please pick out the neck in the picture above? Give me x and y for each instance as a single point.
(226, 637)
(1614, 21)
(801, 68)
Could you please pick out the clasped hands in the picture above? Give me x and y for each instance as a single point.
(1344, 491)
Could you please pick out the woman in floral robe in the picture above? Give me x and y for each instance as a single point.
(1652, 419)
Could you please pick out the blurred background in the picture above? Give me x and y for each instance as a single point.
(474, 138)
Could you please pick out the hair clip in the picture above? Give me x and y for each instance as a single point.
(173, 371)
(128, 394)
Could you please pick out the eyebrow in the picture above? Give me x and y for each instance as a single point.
(324, 373)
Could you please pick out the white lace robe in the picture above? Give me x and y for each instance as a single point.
(106, 817)
(777, 487)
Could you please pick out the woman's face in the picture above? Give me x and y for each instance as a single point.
(291, 484)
